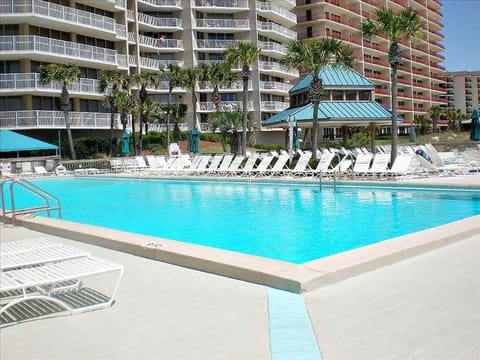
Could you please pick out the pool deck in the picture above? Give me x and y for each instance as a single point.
(422, 305)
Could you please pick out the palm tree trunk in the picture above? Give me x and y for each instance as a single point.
(315, 131)
(112, 122)
(168, 116)
(245, 115)
(69, 135)
(393, 154)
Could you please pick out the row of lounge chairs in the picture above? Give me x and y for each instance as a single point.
(356, 163)
(40, 277)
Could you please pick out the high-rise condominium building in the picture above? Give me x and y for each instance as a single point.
(420, 75)
(146, 35)
(463, 91)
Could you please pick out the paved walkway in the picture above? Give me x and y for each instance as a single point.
(426, 307)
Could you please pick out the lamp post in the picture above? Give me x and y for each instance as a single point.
(291, 125)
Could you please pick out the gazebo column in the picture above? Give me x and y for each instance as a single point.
(345, 135)
(372, 137)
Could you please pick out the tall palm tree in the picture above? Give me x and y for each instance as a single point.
(111, 83)
(64, 74)
(143, 81)
(404, 25)
(434, 113)
(217, 73)
(243, 54)
(311, 57)
(188, 80)
(174, 74)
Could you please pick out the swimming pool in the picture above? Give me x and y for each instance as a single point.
(290, 222)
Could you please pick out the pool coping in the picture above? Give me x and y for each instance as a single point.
(282, 275)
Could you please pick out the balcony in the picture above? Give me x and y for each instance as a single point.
(272, 11)
(163, 5)
(276, 69)
(148, 43)
(275, 31)
(153, 64)
(221, 6)
(153, 23)
(15, 47)
(234, 86)
(376, 62)
(222, 25)
(43, 13)
(275, 87)
(218, 45)
(273, 106)
(43, 119)
(30, 82)
(272, 48)
(225, 106)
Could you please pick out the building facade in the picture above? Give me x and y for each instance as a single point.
(463, 91)
(146, 35)
(420, 76)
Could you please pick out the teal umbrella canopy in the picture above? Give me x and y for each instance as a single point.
(475, 131)
(296, 142)
(125, 143)
(194, 141)
(11, 141)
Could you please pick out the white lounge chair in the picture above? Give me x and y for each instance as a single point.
(224, 164)
(213, 166)
(379, 165)
(324, 164)
(362, 164)
(301, 167)
(262, 167)
(279, 168)
(247, 169)
(234, 165)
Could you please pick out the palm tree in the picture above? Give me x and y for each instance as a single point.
(188, 80)
(111, 83)
(64, 74)
(243, 54)
(217, 73)
(434, 113)
(402, 26)
(311, 57)
(127, 104)
(174, 74)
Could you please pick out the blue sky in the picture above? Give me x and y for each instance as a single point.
(461, 19)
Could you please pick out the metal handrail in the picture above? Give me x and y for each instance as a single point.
(52, 203)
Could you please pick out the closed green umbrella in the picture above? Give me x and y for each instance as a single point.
(412, 133)
(194, 141)
(125, 143)
(475, 131)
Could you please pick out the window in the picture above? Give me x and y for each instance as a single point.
(309, 32)
(365, 95)
(308, 15)
(337, 95)
(11, 103)
(350, 95)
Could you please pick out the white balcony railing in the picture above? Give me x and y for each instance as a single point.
(277, 29)
(154, 64)
(223, 24)
(43, 45)
(208, 106)
(159, 43)
(163, 3)
(231, 4)
(273, 105)
(223, 87)
(276, 67)
(270, 6)
(43, 119)
(216, 44)
(25, 81)
(272, 47)
(159, 22)
(275, 86)
(57, 12)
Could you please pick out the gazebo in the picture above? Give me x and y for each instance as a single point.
(348, 102)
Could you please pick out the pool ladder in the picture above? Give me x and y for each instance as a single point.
(50, 202)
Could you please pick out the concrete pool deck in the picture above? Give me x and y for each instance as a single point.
(423, 305)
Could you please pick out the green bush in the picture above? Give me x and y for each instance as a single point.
(88, 148)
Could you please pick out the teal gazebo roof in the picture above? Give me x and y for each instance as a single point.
(11, 141)
(336, 77)
(334, 113)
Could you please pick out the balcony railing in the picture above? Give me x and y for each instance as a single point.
(23, 81)
(278, 29)
(275, 86)
(43, 119)
(57, 12)
(273, 105)
(224, 106)
(71, 50)
(223, 87)
(159, 43)
(216, 44)
(270, 6)
(158, 22)
(223, 24)
(163, 3)
(273, 66)
(230, 4)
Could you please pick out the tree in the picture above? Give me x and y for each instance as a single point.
(111, 83)
(395, 27)
(174, 74)
(217, 73)
(64, 74)
(127, 103)
(243, 54)
(423, 123)
(188, 80)
(434, 113)
(143, 81)
(311, 57)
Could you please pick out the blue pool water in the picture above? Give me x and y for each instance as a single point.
(294, 223)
